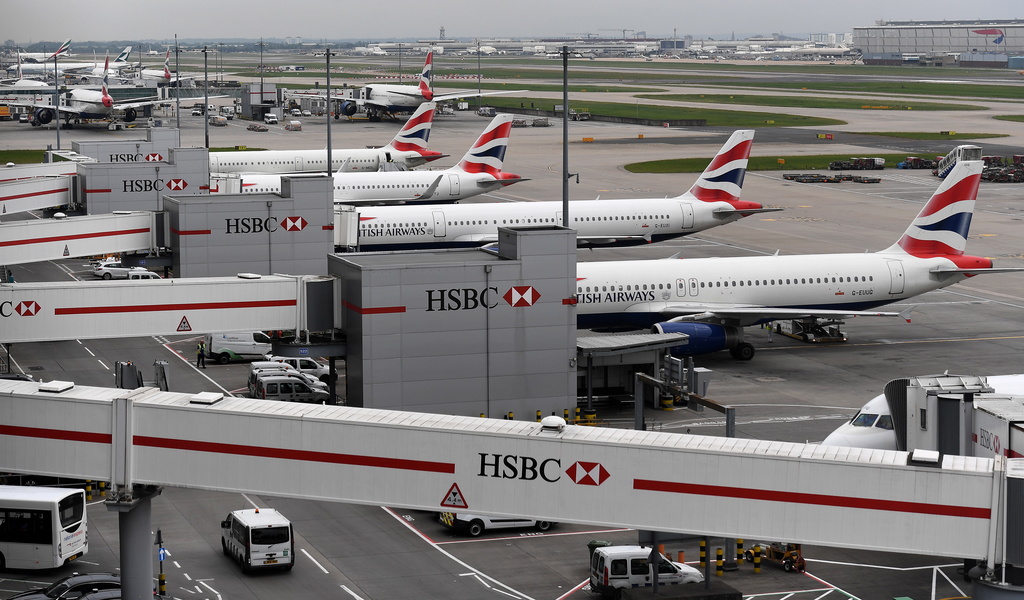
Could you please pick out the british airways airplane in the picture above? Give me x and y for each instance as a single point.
(478, 172)
(713, 299)
(712, 201)
(408, 149)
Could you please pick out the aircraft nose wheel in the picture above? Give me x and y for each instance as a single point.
(742, 351)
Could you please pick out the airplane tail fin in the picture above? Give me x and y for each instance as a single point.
(167, 71)
(488, 152)
(722, 180)
(415, 134)
(942, 226)
(425, 75)
(107, 100)
(64, 48)
(123, 56)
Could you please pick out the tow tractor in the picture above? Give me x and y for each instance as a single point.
(790, 556)
(811, 329)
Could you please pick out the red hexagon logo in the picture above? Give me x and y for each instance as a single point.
(29, 308)
(522, 295)
(154, 157)
(177, 184)
(294, 223)
(587, 473)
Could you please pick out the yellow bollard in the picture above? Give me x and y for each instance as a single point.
(163, 584)
(538, 416)
(739, 551)
(703, 554)
(511, 416)
(719, 562)
(88, 490)
(757, 559)
(565, 414)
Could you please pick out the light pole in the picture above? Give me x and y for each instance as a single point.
(220, 62)
(479, 98)
(330, 155)
(206, 98)
(399, 62)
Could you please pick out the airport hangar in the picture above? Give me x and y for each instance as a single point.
(980, 44)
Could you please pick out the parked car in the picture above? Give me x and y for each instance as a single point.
(72, 586)
(257, 127)
(142, 274)
(474, 525)
(305, 365)
(615, 568)
(114, 270)
(307, 113)
(23, 118)
(197, 112)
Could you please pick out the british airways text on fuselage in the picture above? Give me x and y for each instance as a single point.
(393, 232)
(613, 297)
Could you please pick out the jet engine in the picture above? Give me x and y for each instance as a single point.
(349, 108)
(43, 116)
(706, 338)
(129, 115)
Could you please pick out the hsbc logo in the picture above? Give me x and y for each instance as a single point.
(294, 224)
(154, 157)
(25, 308)
(521, 295)
(471, 298)
(528, 468)
(177, 184)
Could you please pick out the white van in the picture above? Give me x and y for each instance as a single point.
(142, 275)
(288, 389)
(613, 568)
(263, 368)
(225, 347)
(270, 119)
(305, 365)
(474, 525)
(258, 538)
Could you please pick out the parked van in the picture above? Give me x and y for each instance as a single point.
(474, 525)
(258, 538)
(270, 119)
(225, 347)
(288, 389)
(142, 275)
(305, 365)
(264, 368)
(613, 568)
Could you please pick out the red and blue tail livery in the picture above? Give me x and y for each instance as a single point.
(722, 180)
(425, 74)
(415, 134)
(941, 227)
(488, 153)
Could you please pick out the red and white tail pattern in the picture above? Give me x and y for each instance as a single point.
(167, 71)
(488, 152)
(942, 226)
(425, 75)
(416, 132)
(106, 99)
(722, 180)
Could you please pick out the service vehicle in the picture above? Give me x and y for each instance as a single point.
(304, 365)
(296, 112)
(257, 127)
(790, 556)
(293, 126)
(23, 118)
(228, 112)
(73, 586)
(114, 270)
(286, 388)
(143, 274)
(614, 568)
(258, 538)
(474, 525)
(307, 113)
(270, 119)
(42, 527)
(237, 345)
(218, 121)
(197, 112)
(261, 369)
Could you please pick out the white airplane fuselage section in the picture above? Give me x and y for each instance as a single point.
(299, 161)
(641, 293)
(390, 186)
(597, 222)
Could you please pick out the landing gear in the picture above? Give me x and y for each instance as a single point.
(742, 351)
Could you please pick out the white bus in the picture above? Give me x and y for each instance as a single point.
(41, 527)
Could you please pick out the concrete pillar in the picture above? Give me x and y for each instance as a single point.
(134, 520)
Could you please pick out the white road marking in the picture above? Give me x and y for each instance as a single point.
(314, 561)
(351, 593)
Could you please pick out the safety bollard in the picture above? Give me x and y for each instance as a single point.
(163, 584)
(681, 557)
(511, 416)
(565, 414)
(757, 558)
(739, 551)
(482, 415)
(538, 416)
(576, 421)
(88, 490)
(661, 549)
(719, 561)
(703, 554)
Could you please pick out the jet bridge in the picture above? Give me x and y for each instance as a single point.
(53, 239)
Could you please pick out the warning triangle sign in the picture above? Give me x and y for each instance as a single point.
(454, 499)
(67, 252)
(183, 325)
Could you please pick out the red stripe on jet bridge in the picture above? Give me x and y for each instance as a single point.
(357, 460)
(94, 310)
(815, 499)
(31, 195)
(56, 434)
(327, 227)
(191, 231)
(78, 236)
(97, 191)
(383, 310)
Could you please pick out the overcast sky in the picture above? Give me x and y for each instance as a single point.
(313, 20)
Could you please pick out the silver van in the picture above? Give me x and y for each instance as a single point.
(142, 275)
(305, 365)
(288, 389)
(262, 368)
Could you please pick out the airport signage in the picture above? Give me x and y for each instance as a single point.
(152, 185)
(238, 225)
(137, 157)
(25, 308)
(471, 298)
(528, 468)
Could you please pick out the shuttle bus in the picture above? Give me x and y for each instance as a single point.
(41, 527)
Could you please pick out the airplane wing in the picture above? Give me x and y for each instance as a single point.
(599, 240)
(478, 238)
(63, 109)
(453, 96)
(430, 190)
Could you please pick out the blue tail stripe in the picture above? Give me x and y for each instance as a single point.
(421, 133)
(959, 223)
(735, 177)
(497, 152)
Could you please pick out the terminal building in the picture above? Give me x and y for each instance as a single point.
(983, 43)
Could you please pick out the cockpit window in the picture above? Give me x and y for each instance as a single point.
(864, 420)
(884, 422)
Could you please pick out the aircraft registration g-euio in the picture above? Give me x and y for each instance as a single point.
(408, 149)
(478, 172)
(713, 299)
(84, 104)
(712, 201)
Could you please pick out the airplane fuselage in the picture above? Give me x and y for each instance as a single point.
(300, 161)
(597, 222)
(389, 186)
(641, 293)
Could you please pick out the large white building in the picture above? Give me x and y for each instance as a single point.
(986, 41)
